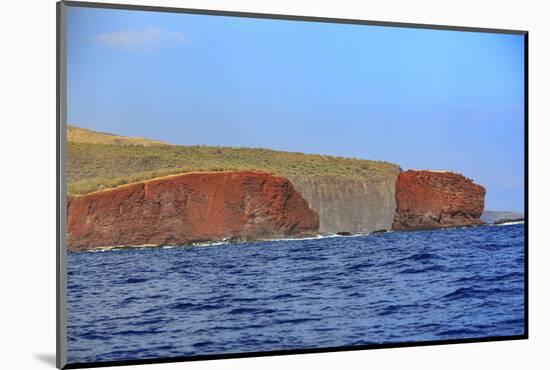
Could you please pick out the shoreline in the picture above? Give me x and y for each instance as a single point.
(229, 242)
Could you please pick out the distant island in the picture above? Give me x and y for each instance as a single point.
(500, 217)
(138, 192)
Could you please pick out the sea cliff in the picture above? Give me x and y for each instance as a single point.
(187, 208)
(127, 191)
(436, 199)
(349, 205)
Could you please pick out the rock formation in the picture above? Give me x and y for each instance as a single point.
(188, 208)
(434, 199)
(349, 205)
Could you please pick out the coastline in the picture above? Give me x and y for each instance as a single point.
(238, 206)
(215, 243)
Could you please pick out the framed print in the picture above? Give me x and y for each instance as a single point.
(235, 184)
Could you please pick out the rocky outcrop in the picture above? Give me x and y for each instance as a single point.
(188, 208)
(349, 205)
(434, 199)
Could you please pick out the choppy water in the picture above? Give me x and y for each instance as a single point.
(394, 287)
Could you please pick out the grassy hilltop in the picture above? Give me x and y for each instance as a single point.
(99, 161)
(82, 135)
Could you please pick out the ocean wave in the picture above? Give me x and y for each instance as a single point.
(135, 280)
(183, 306)
(402, 287)
(222, 242)
(517, 321)
(463, 293)
(510, 223)
(423, 256)
(294, 321)
(132, 332)
(360, 266)
(250, 310)
(472, 292)
(203, 344)
(283, 296)
(317, 237)
(459, 333)
(421, 270)
(391, 309)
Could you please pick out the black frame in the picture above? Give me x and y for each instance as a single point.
(61, 184)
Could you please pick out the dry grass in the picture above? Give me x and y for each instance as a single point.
(82, 135)
(97, 166)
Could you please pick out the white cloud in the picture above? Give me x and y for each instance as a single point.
(139, 40)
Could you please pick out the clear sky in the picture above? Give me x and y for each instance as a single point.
(424, 99)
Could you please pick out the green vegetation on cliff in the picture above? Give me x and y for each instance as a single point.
(96, 161)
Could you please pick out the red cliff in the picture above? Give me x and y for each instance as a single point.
(190, 208)
(432, 199)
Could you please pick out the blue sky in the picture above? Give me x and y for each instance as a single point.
(424, 99)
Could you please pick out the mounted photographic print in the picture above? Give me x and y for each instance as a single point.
(235, 184)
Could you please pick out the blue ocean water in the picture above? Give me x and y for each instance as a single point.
(293, 294)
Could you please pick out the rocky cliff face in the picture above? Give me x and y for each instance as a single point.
(349, 205)
(430, 199)
(188, 208)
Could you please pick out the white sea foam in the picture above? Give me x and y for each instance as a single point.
(217, 243)
(205, 244)
(510, 223)
(317, 237)
(106, 249)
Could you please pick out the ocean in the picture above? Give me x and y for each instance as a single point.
(397, 287)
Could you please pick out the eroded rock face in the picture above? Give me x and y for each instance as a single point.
(189, 208)
(349, 205)
(430, 199)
